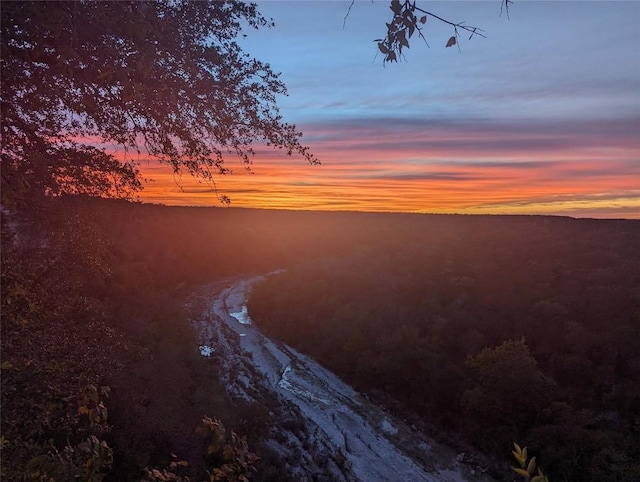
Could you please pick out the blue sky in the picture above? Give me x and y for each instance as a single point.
(550, 59)
(551, 99)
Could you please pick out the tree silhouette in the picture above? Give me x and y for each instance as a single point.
(164, 78)
(506, 393)
(408, 18)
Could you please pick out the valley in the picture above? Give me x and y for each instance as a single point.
(341, 434)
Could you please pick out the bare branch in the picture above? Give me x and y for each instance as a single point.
(460, 25)
(344, 22)
(504, 5)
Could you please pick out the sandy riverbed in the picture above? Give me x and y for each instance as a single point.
(341, 435)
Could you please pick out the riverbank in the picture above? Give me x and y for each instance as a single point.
(324, 428)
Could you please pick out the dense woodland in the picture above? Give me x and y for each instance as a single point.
(93, 295)
(486, 329)
(481, 329)
(493, 328)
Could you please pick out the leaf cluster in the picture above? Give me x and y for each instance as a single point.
(400, 30)
(527, 467)
(408, 19)
(90, 458)
(173, 472)
(234, 461)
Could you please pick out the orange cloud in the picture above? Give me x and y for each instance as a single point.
(580, 169)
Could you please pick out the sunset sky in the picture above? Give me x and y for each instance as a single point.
(541, 117)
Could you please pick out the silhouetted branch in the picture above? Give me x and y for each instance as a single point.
(405, 24)
(504, 6)
(344, 22)
(459, 25)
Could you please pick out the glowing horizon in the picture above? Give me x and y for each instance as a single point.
(518, 123)
(532, 169)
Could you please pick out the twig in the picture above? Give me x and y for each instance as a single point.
(504, 5)
(344, 22)
(460, 25)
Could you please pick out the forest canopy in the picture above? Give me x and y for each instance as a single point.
(496, 328)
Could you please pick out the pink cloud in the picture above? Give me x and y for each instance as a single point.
(436, 167)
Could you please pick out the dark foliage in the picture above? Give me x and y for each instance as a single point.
(408, 19)
(429, 311)
(93, 293)
(422, 308)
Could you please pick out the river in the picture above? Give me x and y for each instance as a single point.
(331, 432)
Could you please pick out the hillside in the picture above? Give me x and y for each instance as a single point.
(94, 293)
(491, 328)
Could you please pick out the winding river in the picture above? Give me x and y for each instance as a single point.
(342, 435)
